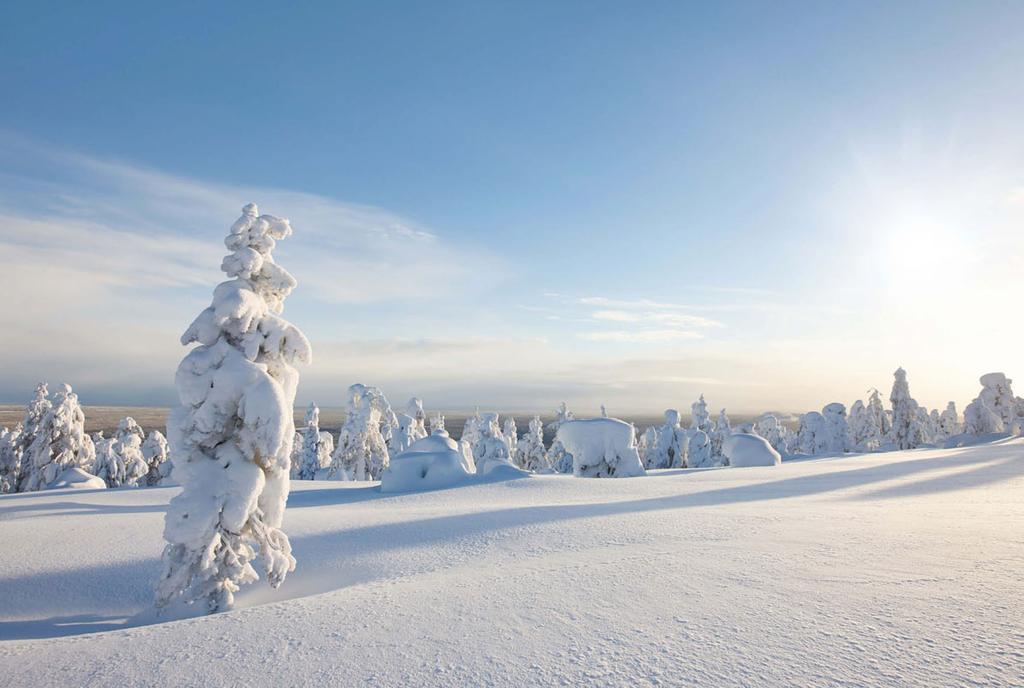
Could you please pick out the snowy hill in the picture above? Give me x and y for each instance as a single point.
(901, 568)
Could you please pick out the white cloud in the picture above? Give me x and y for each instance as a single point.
(639, 336)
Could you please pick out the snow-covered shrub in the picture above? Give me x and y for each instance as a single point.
(837, 430)
(745, 450)
(436, 423)
(428, 464)
(511, 434)
(811, 436)
(414, 409)
(10, 458)
(949, 421)
(906, 429)
(980, 419)
(558, 458)
(778, 435)
(865, 427)
(530, 454)
(700, 419)
(880, 416)
(721, 430)
(600, 448)
(231, 437)
(995, 409)
(698, 454)
(668, 444)
(316, 447)
(490, 450)
(156, 453)
(119, 460)
(362, 452)
(60, 442)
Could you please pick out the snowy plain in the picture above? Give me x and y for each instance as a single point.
(901, 568)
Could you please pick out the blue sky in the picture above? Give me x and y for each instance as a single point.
(511, 203)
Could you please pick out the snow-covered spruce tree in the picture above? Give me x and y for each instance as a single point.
(777, 434)
(10, 458)
(119, 460)
(156, 452)
(698, 455)
(722, 429)
(670, 444)
(949, 421)
(995, 401)
(865, 429)
(644, 443)
(231, 438)
(436, 423)
(979, 419)
(700, 418)
(34, 414)
(811, 435)
(558, 458)
(511, 434)
(362, 452)
(414, 409)
(530, 454)
(490, 450)
(905, 423)
(880, 417)
(316, 446)
(837, 430)
(61, 442)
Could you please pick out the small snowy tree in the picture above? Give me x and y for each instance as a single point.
(362, 452)
(490, 450)
(156, 452)
(698, 454)
(777, 434)
(436, 423)
(511, 434)
(315, 448)
(414, 409)
(865, 428)
(35, 412)
(231, 437)
(995, 409)
(980, 419)
(881, 418)
(811, 437)
(905, 422)
(558, 458)
(837, 430)
(700, 419)
(949, 421)
(119, 461)
(60, 442)
(669, 444)
(10, 458)
(530, 454)
(721, 431)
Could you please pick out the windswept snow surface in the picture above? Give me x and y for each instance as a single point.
(890, 569)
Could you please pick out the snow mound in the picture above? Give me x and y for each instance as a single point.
(746, 450)
(601, 448)
(77, 478)
(412, 471)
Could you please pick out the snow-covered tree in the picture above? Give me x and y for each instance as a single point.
(905, 422)
(414, 409)
(778, 435)
(669, 444)
(10, 458)
(837, 430)
(490, 450)
(61, 442)
(812, 436)
(436, 423)
(511, 434)
(156, 453)
(316, 446)
(995, 401)
(698, 454)
(35, 412)
(558, 458)
(644, 442)
(601, 448)
(362, 452)
(949, 421)
(530, 454)
(700, 419)
(721, 431)
(865, 427)
(881, 418)
(980, 418)
(119, 460)
(231, 437)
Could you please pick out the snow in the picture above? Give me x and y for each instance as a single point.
(899, 568)
(430, 463)
(745, 450)
(600, 448)
(77, 478)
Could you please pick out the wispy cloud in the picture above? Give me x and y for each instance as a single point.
(639, 336)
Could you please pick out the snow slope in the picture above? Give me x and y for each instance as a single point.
(889, 569)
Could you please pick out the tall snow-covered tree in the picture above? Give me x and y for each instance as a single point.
(119, 461)
(231, 437)
(700, 418)
(949, 421)
(722, 430)
(880, 417)
(61, 442)
(837, 429)
(156, 453)
(35, 412)
(315, 447)
(905, 424)
(558, 458)
(995, 409)
(362, 452)
(669, 446)
(865, 427)
(511, 434)
(530, 454)
(10, 458)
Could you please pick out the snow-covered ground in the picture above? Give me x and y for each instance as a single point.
(890, 569)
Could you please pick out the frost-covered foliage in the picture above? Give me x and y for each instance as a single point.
(511, 434)
(880, 416)
(698, 454)
(600, 448)
(949, 421)
(722, 429)
(667, 445)
(490, 450)
(700, 419)
(558, 458)
(315, 447)
(10, 458)
(411, 427)
(429, 463)
(119, 460)
(414, 409)
(995, 409)
(362, 452)
(156, 453)
(436, 423)
(747, 450)
(778, 435)
(530, 454)
(35, 412)
(231, 437)
(837, 430)
(906, 426)
(812, 436)
(865, 427)
(60, 442)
